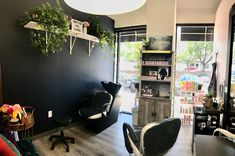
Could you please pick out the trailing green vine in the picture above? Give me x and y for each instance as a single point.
(55, 24)
(106, 37)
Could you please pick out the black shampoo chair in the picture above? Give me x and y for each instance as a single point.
(99, 107)
(155, 139)
(102, 111)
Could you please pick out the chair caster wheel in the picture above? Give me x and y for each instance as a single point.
(67, 149)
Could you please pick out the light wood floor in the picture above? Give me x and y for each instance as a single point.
(108, 143)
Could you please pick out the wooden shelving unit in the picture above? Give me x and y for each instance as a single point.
(166, 81)
(155, 88)
(156, 98)
(152, 62)
(157, 51)
(73, 36)
(156, 65)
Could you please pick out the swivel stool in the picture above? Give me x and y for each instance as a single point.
(61, 122)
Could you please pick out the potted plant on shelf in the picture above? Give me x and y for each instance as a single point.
(106, 38)
(54, 22)
(208, 100)
(145, 44)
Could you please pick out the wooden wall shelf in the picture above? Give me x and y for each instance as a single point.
(73, 36)
(157, 51)
(156, 65)
(143, 79)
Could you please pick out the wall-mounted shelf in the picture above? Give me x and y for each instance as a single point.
(144, 79)
(157, 51)
(73, 36)
(156, 98)
(156, 65)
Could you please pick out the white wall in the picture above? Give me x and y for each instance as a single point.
(195, 16)
(196, 11)
(161, 17)
(187, 11)
(221, 38)
(137, 17)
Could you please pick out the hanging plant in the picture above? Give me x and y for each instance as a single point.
(54, 22)
(106, 38)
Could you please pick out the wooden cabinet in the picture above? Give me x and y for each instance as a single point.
(153, 110)
(156, 84)
(146, 106)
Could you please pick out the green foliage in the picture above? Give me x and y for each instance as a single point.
(146, 44)
(130, 51)
(197, 52)
(209, 95)
(55, 24)
(106, 38)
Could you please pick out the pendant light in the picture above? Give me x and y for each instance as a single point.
(105, 7)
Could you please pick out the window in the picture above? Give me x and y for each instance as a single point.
(129, 46)
(194, 53)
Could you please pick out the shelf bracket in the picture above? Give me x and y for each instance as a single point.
(73, 36)
(91, 46)
(71, 44)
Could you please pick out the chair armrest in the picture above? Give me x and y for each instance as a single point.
(127, 128)
(105, 108)
(224, 132)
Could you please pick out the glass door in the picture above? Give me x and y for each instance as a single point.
(130, 44)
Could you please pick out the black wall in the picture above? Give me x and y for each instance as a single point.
(55, 82)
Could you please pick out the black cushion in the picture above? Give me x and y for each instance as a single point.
(157, 138)
(163, 136)
(100, 98)
(100, 103)
(89, 111)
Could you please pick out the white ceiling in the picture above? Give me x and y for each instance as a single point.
(198, 4)
(182, 6)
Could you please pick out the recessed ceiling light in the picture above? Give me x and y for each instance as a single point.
(105, 7)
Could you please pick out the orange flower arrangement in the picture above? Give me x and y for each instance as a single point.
(11, 112)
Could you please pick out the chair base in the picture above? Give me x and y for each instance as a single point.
(61, 139)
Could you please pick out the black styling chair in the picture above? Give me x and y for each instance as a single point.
(155, 139)
(102, 111)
